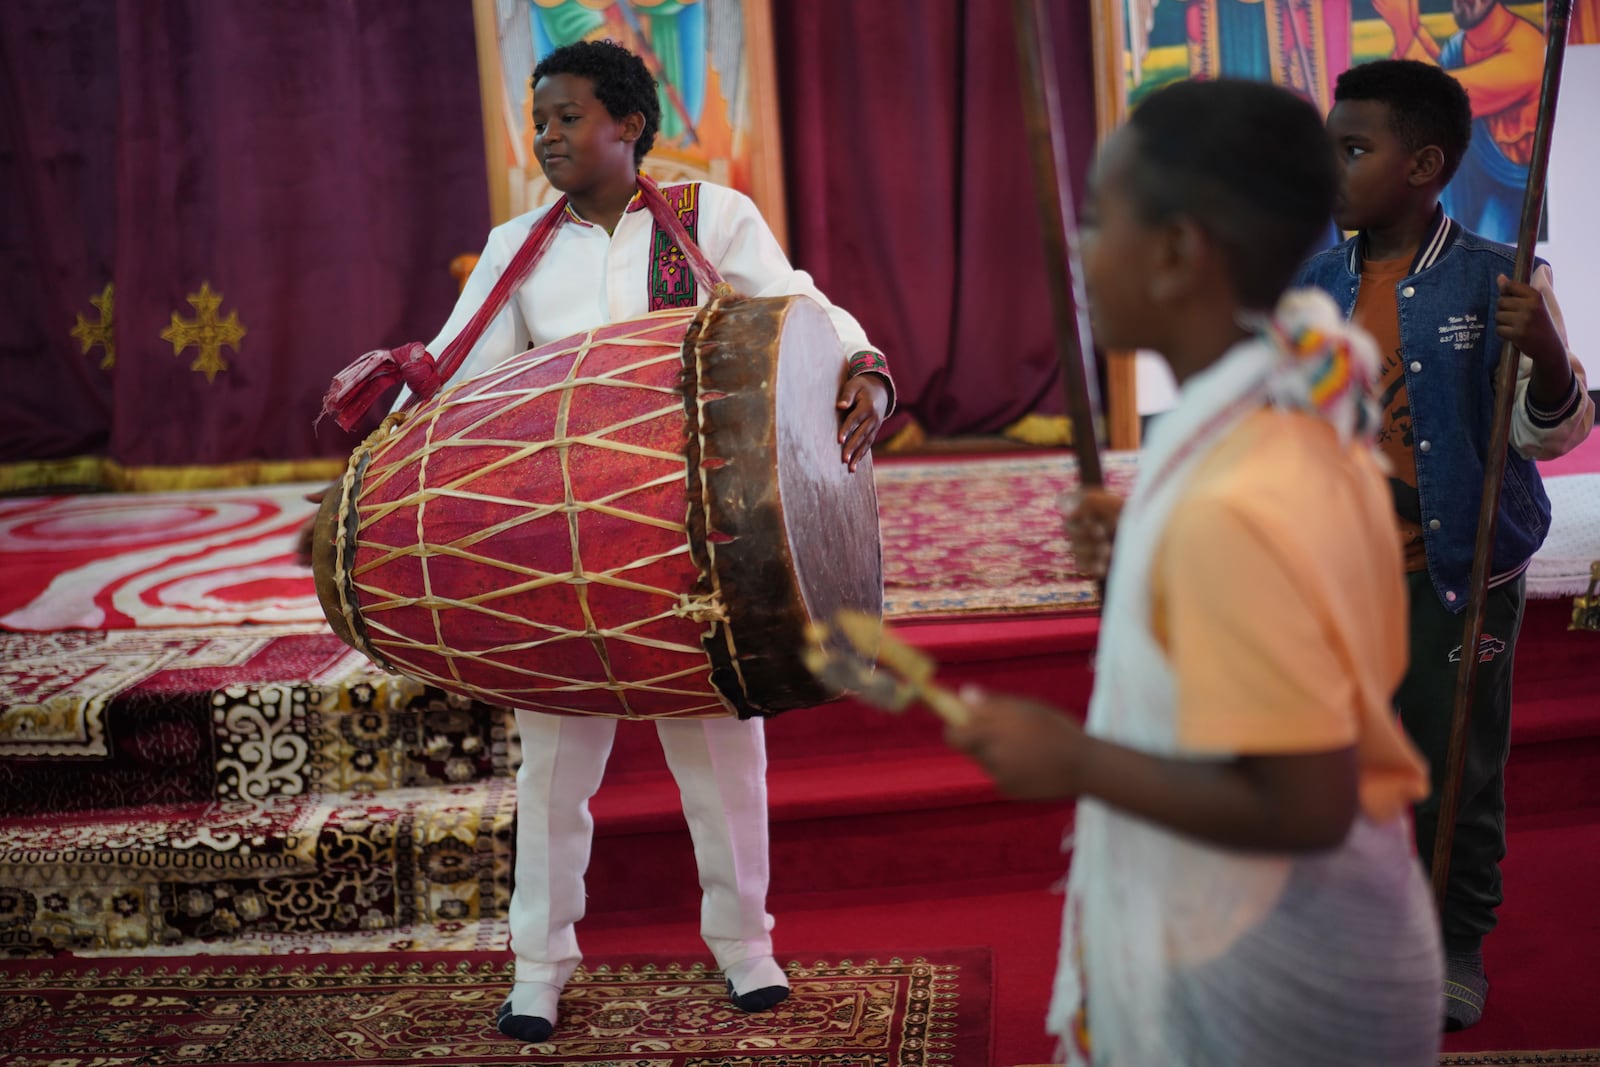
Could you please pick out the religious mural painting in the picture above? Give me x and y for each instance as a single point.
(1496, 49)
(712, 58)
(1585, 22)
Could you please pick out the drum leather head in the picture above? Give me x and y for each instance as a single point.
(790, 534)
(323, 563)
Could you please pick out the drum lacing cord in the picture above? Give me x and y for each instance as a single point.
(707, 610)
(701, 608)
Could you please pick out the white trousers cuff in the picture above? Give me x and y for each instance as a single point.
(720, 769)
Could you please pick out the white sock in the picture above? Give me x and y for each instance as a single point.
(535, 1000)
(762, 972)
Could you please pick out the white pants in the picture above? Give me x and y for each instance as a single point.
(721, 769)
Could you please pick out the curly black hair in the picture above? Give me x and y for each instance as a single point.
(621, 82)
(1250, 163)
(1426, 105)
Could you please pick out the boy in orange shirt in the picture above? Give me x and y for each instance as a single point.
(1243, 887)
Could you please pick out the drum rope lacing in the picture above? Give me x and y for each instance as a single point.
(699, 608)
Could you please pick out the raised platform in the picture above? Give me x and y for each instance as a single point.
(186, 751)
(163, 784)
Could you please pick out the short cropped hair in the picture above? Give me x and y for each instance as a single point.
(621, 82)
(1426, 105)
(1249, 162)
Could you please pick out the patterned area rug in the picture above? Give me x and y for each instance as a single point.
(110, 561)
(442, 935)
(959, 537)
(983, 536)
(899, 1011)
(325, 863)
(55, 687)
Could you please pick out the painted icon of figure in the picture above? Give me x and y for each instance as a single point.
(1498, 57)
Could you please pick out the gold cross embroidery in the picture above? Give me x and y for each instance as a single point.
(205, 331)
(90, 334)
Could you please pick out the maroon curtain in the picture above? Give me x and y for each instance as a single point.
(910, 191)
(310, 168)
(302, 172)
(58, 118)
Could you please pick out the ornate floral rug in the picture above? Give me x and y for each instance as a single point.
(257, 705)
(880, 1011)
(983, 536)
(211, 800)
(55, 688)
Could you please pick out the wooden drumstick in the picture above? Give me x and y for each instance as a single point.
(1494, 465)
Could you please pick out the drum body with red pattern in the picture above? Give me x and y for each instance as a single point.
(639, 521)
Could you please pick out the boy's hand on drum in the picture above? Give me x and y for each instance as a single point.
(303, 539)
(1031, 750)
(1091, 525)
(864, 399)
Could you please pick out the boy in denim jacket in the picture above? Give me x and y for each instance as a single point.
(1439, 300)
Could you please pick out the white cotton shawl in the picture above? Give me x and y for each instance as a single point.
(1189, 954)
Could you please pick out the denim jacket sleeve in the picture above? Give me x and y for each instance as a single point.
(1535, 432)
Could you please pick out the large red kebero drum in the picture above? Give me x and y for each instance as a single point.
(639, 521)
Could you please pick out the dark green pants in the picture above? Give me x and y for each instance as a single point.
(1426, 699)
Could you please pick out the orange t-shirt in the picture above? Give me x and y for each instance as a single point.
(1377, 311)
(1277, 597)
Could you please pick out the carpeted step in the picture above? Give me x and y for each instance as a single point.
(1556, 696)
(175, 740)
(405, 857)
(1554, 778)
(1049, 656)
(318, 862)
(879, 823)
(1555, 722)
(861, 801)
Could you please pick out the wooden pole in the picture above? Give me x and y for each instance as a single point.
(1058, 227)
(1495, 462)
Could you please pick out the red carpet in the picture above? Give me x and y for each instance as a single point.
(1540, 960)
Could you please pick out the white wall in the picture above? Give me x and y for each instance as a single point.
(1572, 201)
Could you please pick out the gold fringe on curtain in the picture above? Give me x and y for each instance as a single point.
(1048, 431)
(39, 477)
